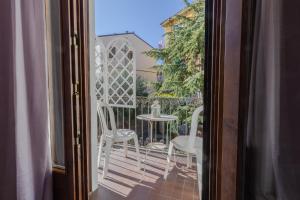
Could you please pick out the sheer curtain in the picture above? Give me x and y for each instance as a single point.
(25, 163)
(273, 155)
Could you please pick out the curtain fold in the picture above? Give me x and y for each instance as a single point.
(272, 157)
(25, 165)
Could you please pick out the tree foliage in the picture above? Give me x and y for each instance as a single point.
(141, 87)
(181, 58)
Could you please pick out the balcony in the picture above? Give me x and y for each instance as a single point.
(125, 181)
(180, 107)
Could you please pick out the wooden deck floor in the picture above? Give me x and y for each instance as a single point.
(125, 181)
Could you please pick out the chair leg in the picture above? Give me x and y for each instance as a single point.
(100, 150)
(107, 156)
(189, 160)
(199, 172)
(125, 148)
(137, 149)
(146, 156)
(168, 160)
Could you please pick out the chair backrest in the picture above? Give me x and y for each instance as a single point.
(104, 121)
(194, 125)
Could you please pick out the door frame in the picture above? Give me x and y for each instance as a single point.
(73, 180)
(225, 53)
(228, 50)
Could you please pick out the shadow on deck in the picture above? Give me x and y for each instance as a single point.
(125, 181)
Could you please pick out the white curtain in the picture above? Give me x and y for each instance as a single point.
(25, 160)
(272, 155)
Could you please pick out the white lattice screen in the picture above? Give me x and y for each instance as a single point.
(100, 62)
(116, 73)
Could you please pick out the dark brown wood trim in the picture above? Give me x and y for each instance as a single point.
(214, 90)
(231, 87)
(206, 167)
(228, 55)
(72, 100)
(68, 101)
(59, 186)
(83, 24)
(248, 20)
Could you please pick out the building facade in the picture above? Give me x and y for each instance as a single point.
(145, 65)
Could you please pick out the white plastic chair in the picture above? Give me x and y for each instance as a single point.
(191, 144)
(113, 135)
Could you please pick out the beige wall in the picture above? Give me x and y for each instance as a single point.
(144, 64)
(169, 23)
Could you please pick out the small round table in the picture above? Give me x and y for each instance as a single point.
(151, 120)
(155, 145)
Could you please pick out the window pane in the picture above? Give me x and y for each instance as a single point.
(55, 80)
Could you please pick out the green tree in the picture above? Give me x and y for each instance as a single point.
(181, 59)
(141, 87)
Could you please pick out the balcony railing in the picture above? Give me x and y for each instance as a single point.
(180, 107)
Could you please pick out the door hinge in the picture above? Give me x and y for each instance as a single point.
(78, 138)
(76, 92)
(75, 88)
(75, 39)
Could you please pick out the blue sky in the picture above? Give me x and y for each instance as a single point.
(140, 16)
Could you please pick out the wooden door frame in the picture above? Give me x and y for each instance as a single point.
(228, 51)
(225, 54)
(85, 96)
(248, 21)
(67, 177)
(73, 181)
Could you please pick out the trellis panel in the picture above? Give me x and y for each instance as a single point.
(116, 73)
(121, 74)
(100, 71)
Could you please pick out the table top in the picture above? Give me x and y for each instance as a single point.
(161, 118)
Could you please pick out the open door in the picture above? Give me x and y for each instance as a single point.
(76, 179)
(67, 49)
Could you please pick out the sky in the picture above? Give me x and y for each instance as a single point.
(140, 16)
